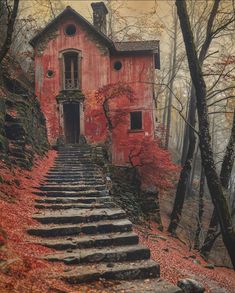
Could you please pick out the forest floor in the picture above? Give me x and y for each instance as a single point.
(22, 272)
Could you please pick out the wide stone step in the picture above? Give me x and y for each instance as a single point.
(62, 187)
(150, 285)
(89, 193)
(100, 240)
(143, 269)
(69, 170)
(74, 216)
(74, 164)
(106, 254)
(73, 180)
(108, 226)
(74, 159)
(73, 200)
(73, 175)
(67, 206)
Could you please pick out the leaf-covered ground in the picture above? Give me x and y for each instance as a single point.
(22, 272)
(177, 262)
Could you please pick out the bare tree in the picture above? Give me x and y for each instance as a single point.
(11, 18)
(186, 170)
(225, 175)
(213, 181)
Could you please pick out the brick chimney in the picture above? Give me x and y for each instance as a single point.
(99, 16)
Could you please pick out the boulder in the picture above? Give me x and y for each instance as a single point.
(190, 286)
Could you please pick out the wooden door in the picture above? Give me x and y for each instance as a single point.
(71, 123)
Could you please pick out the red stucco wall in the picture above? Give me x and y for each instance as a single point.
(96, 70)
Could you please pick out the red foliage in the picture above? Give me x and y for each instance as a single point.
(154, 163)
(21, 271)
(177, 262)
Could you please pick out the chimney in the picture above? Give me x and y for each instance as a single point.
(99, 16)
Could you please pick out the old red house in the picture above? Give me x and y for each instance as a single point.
(73, 59)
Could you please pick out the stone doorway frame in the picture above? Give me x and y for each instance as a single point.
(71, 97)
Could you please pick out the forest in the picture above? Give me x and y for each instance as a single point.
(178, 188)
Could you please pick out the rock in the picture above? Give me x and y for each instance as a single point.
(192, 256)
(197, 262)
(209, 266)
(159, 236)
(190, 286)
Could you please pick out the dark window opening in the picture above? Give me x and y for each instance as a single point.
(117, 65)
(71, 74)
(50, 73)
(136, 120)
(70, 30)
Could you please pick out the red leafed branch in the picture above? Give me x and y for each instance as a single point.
(109, 92)
(154, 164)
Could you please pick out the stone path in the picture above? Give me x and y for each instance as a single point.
(89, 232)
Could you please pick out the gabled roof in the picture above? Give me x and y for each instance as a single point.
(137, 46)
(71, 12)
(151, 47)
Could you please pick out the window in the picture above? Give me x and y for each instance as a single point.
(117, 65)
(70, 30)
(50, 73)
(71, 70)
(136, 120)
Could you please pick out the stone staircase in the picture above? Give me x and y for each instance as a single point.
(88, 231)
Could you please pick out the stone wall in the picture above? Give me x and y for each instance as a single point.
(126, 189)
(22, 124)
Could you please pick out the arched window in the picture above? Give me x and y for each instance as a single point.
(71, 70)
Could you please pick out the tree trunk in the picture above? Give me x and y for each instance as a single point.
(171, 81)
(181, 187)
(185, 172)
(200, 210)
(225, 174)
(191, 181)
(213, 181)
(10, 28)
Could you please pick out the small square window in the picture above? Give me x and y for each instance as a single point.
(136, 120)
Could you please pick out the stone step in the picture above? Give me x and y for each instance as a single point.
(73, 180)
(89, 193)
(75, 158)
(73, 200)
(140, 269)
(104, 254)
(74, 216)
(150, 285)
(62, 187)
(70, 169)
(99, 240)
(67, 206)
(73, 175)
(74, 164)
(108, 226)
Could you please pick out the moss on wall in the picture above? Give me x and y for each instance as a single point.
(22, 127)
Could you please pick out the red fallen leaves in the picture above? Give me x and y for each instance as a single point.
(20, 269)
(177, 262)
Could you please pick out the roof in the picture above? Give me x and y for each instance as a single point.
(137, 46)
(115, 48)
(68, 12)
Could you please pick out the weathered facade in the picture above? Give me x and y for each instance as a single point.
(73, 59)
